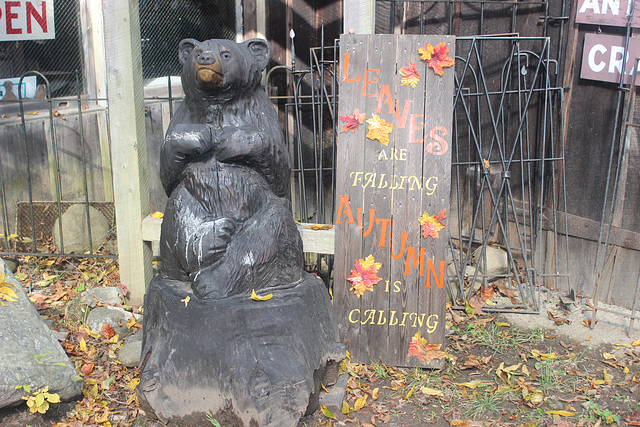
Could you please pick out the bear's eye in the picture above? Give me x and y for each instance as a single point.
(225, 55)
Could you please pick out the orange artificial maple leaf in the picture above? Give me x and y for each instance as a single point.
(353, 122)
(436, 57)
(410, 76)
(379, 129)
(86, 369)
(431, 224)
(107, 331)
(364, 276)
(420, 348)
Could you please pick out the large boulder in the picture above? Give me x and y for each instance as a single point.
(75, 234)
(29, 352)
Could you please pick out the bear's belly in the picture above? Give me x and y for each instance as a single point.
(226, 190)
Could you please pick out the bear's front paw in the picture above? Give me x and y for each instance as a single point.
(209, 242)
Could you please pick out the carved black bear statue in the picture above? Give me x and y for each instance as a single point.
(209, 350)
(225, 168)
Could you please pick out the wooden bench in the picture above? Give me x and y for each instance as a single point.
(313, 241)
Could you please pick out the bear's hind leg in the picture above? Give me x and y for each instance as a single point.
(266, 252)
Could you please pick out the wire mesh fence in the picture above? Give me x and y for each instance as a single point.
(55, 151)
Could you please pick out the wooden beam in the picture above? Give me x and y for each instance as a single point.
(359, 16)
(589, 229)
(129, 155)
(315, 241)
(250, 20)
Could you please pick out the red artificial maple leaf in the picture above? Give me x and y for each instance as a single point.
(364, 276)
(432, 224)
(420, 348)
(410, 76)
(436, 57)
(353, 122)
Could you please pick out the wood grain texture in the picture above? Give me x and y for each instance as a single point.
(386, 188)
(126, 122)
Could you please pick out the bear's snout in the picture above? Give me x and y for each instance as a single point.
(209, 70)
(206, 58)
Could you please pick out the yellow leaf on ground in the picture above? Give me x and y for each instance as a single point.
(635, 343)
(543, 356)
(83, 345)
(346, 409)
(131, 322)
(410, 392)
(472, 384)
(561, 413)
(186, 301)
(431, 392)
(255, 296)
(47, 276)
(327, 412)
(360, 403)
(609, 356)
(374, 393)
(157, 215)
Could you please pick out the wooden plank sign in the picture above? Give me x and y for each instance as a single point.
(393, 183)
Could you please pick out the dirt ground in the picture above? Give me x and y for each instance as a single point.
(548, 369)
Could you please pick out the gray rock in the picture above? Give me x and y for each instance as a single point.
(75, 230)
(76, 311)
(29, 353)
(101, 295)
(12, 264)
(114, 316)
(497, 261)
(129, 354)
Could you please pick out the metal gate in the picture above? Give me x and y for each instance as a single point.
(508, 195)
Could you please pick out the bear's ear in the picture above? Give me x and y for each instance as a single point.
(185, 48)
(261, 50)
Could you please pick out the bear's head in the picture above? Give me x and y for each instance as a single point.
(222, 68)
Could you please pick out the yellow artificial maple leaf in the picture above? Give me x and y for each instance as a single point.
(379, 129)
(431, 225)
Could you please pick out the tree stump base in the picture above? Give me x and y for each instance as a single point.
(238, 361)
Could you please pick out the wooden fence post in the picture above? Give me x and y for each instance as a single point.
(359, 16)
(129, 153)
